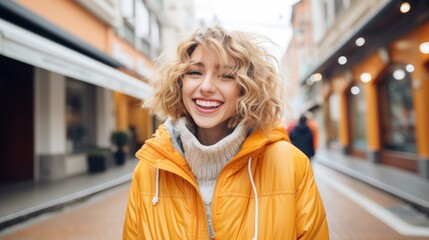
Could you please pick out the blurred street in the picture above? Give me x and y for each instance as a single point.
(99, 217)
(346, 201)
(358, 70)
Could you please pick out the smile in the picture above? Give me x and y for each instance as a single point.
(207, 104)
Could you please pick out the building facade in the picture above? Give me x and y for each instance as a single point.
(72, 72)
(373, 61)
(297, 62)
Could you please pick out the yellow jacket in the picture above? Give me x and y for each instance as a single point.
(288, 204)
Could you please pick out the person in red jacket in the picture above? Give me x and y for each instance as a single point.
(221, 166)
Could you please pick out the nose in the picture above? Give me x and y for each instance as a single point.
(208, 85)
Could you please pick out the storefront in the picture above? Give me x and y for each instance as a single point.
(62, 97)
(376, 102)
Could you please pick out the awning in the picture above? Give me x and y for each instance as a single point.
(27, 47)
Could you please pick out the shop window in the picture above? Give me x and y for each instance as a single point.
(80, 116)
(334, 117)
(357, 111)
(398, 116)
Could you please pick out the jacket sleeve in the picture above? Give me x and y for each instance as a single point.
(311, 216)
(131, 217)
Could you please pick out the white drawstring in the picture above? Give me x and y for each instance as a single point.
(155, 199)
(249, 163)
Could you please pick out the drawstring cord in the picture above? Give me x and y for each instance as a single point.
(249, 163)
(155, 199)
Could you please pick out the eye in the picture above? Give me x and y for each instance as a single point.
(228, 76)
(193, 73)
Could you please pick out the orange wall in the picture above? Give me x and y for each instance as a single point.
(374, 66)
(72, 18)
(75, 19)
(121, 108)
(339, 85)
(140, 118)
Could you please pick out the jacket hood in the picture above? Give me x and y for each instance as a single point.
(161, 146)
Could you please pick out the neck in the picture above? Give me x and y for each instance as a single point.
(210, 136)
(209, 159)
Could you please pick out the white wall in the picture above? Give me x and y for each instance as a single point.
(50, 125)
(105, 117)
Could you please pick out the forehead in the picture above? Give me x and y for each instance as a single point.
(205, 54)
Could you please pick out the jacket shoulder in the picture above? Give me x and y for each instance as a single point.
(284, 151)
(143, 170)
(285, 160)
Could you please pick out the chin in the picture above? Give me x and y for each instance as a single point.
(205, 125)
(210, 123)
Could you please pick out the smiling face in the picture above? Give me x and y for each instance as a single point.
(210, 94)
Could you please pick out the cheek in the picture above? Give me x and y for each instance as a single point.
(185, 88)
(236, 92)
(186, 94)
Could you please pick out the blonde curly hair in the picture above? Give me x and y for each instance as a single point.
(256, 71)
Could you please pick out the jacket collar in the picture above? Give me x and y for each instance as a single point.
(159, 151)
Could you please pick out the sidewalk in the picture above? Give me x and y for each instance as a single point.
(19, 202)
(405, 185)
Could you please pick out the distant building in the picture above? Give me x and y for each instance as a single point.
(373, 59)
(297, 62)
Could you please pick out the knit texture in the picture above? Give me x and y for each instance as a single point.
(206, 162)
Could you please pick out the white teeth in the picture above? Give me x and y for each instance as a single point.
(207, 103)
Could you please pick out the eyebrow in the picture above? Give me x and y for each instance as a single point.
(200, 64)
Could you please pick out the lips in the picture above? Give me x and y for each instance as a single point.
(208, 103)
(207, 106)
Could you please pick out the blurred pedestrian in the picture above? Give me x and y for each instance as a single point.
(302, 137)
(312, 124)
(221, 165)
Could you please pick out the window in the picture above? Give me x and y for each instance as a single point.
(142, 20)
(357, 108)
(128, 13)
(80, 116)
(398, 117)
(140, 28)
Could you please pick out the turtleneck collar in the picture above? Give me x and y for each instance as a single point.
(207, 161)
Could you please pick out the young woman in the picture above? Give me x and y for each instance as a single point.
(221, 166)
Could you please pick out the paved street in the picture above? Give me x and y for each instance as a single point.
(357, 211)
(101, 216)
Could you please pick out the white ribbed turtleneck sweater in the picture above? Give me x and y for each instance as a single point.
(206, 162)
